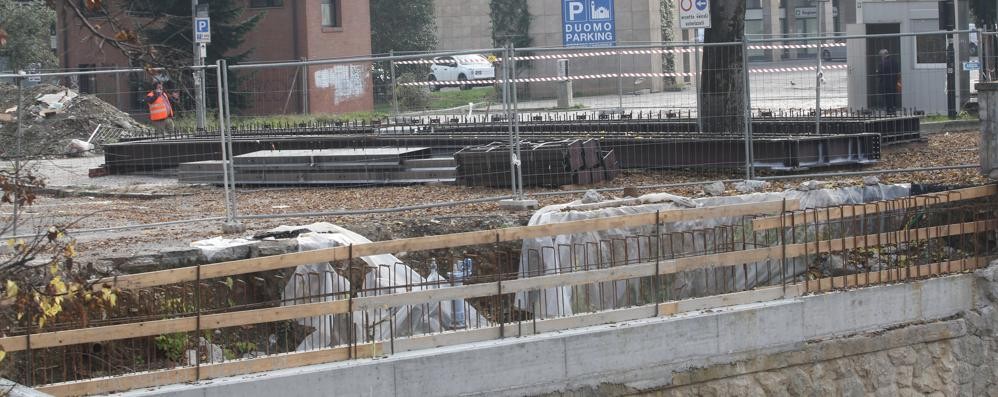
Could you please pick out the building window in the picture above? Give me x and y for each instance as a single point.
(331, 17)
(266, 3)
(929, 49)
(751, 4)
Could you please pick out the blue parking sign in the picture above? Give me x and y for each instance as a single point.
(588, 23)
(202, 30)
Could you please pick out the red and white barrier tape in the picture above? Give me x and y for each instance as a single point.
(612, 76)
(676, 50)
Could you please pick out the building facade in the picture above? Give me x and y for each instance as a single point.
(466, 25)
(288, 30)
(922, 59)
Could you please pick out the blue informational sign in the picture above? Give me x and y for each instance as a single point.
(588, 23)
(971, 66)
(202, 30)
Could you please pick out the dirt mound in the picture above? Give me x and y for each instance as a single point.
(53, 116)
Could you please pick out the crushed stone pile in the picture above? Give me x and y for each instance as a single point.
(53, 117)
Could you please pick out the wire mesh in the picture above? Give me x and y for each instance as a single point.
(816, 249)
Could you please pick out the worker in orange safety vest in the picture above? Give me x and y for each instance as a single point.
(160, 108)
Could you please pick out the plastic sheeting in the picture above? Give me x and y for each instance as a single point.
(386, 274)
(587, 251)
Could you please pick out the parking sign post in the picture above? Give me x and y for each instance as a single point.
(202, 36)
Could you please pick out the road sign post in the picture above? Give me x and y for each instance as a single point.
(202, 36)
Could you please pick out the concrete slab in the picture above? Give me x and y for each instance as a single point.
(941, 298)
(770, 324)
(613, 349)
(848, 312)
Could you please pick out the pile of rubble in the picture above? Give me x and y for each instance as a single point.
(53, 117)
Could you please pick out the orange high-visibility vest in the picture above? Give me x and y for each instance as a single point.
(160, 109)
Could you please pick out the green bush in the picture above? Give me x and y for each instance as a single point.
(411, 96)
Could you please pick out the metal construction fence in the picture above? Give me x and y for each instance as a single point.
(338, 302)
(515, 122)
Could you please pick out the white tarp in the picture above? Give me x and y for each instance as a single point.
(582, 251)
(385, 274)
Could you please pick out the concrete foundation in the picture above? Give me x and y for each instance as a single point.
(566, 98)
(648, 354)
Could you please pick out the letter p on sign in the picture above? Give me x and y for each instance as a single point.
(575, 8)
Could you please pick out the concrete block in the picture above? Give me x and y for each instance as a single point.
(859, 310)
(617, 349)
(772, 324)
(439, 375)
(368, 378)
(945, 297)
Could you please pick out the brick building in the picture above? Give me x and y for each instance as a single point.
(289, 30)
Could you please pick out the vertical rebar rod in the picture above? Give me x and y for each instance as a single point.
(499, 314)
(197, 327)
(30, 370)
(658, 249)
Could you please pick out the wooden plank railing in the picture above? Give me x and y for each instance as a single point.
(783, 251)
(645, 269)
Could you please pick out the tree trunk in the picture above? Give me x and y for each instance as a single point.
(722, 93)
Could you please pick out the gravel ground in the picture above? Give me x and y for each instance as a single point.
(194, 202)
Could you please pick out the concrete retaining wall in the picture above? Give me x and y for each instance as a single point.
(637, 355)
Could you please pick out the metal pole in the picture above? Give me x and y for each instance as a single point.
(221, 130)
(620, 83)
(957, 61)
(198, 75)
(696, 80)
(516, 125)
(508, 108)
(304, 87)
(818, 75)
(746, 87)
(228, 129)
(17, 153)
(395, 86)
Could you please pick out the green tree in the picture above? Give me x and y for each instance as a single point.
(169, 30)
(666, 8)
(28, 25)
(510, 23)
(403, 26)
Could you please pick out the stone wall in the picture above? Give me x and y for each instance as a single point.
(956, 357)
